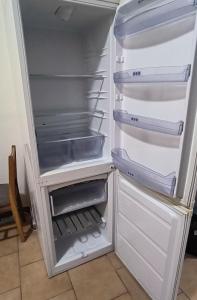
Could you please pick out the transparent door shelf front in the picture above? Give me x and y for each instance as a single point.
(148, 123)
(138, 16)
(143, 175)
(153, 75)
(77, 196)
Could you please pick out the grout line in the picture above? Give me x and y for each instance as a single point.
(72, 284)
(121, 295)
(122, 281)
(59, 294)
(8, 254)
(11, 252)
(19, 267)
(1, 294)
(30, 263)
(183, 292)
(19, 286)
(112, 264)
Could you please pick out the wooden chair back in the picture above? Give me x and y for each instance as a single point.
(14, 196)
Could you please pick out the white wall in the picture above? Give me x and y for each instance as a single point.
(10, 130)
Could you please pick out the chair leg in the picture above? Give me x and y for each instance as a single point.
(17, 219)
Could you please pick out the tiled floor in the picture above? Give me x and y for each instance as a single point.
(23, 277)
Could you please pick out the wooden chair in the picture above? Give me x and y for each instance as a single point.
(10, 201)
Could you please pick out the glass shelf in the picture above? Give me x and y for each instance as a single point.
(143, 175)
(66, 76)
(157, 125)
(136, 17)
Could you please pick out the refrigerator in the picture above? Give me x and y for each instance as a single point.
(106, 96)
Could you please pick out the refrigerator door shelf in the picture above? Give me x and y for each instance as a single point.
(137, 17)
(143, 175)
(77, 222)
(154, 75)
(160, 126)
(78, 196)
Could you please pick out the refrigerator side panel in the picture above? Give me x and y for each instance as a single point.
(39, 211)
(16, 48)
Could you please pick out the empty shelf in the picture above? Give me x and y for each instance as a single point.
(77, 222)
(153, 75)
(77, 196)
(138, 16)
(66, 76)
(148, 123)
(143, 175)
(65, 119)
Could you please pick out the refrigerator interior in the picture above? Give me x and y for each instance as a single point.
(80, 219)
(68, 57)
(154, 102)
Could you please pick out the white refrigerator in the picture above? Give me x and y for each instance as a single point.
(107, 104)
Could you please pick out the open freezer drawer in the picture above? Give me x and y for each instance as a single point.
(150, 239)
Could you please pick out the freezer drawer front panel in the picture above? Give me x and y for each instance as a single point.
(148, 240)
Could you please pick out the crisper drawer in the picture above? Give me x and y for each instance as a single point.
(54, 153)
(58, 147)
(79, 195)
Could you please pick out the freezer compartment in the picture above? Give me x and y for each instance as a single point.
(79, 234)
(77, 196)
(161, 126)
(138, 17)
(143, 175)
(153, 75)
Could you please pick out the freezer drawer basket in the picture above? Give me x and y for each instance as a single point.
(143, 175)
(154, 75)
(78, 196)
(148, 123)
(139, 16)
(78, 222)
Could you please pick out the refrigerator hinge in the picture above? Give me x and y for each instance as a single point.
(113, 168)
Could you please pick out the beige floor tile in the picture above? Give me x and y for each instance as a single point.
(30, 250)
(8, 246)
(11, 295)
(35, 283)
(182, 297)
(189, 278)
(137, 293)
(96, 280)
(9, 272)
(69, 295)
(124, 297)
(115, 261)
